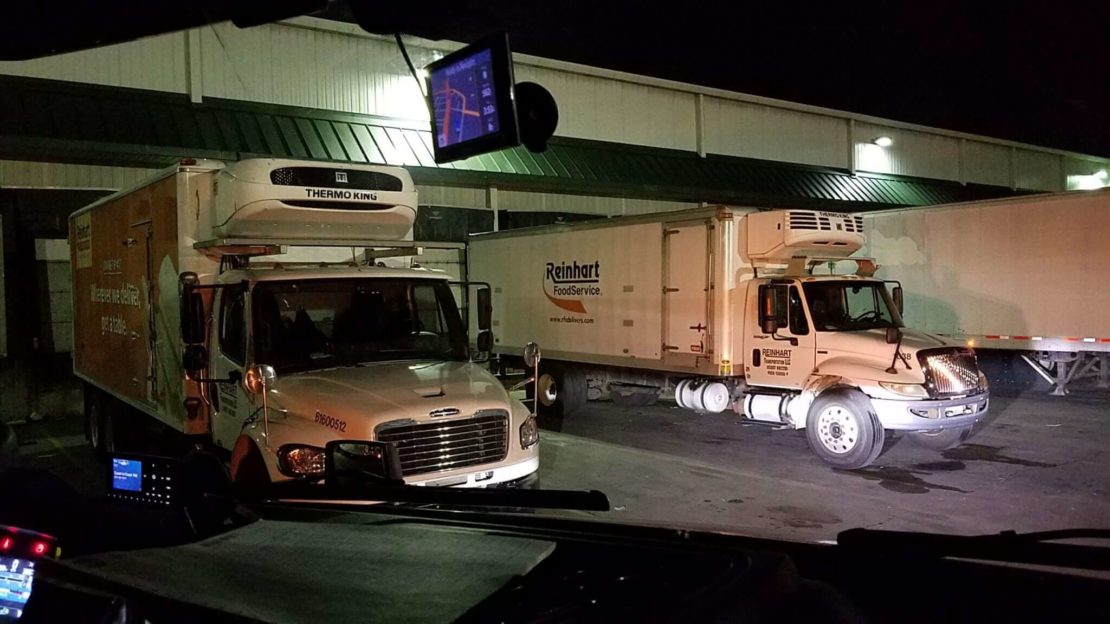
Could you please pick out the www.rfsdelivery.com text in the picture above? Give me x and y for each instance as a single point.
(571, 319)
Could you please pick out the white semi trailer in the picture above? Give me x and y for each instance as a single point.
(1025, 274)
(193, 314)
(722, 305)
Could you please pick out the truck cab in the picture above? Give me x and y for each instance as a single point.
(366, 353)
(830, 353)
(249, 308)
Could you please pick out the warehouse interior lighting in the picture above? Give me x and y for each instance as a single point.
(883, 141)
(1089, 182)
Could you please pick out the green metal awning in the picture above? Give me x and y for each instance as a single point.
(75, 122)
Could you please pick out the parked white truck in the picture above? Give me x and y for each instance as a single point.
(187, 315)
(1023, 274)
(722, 305)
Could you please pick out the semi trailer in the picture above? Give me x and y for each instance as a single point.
(1025, 275)
(209, 303)
(729, 309)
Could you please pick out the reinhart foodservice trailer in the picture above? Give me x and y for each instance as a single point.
(1024, 274)
(722, 305)
(181, 320)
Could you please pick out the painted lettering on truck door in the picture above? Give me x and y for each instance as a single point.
(779, 362)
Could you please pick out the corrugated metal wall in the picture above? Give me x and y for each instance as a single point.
(986, 163)
(753, 131)
(913, 153)
(581, 204)
(41, 175)
(458, 197)
(154, 63)
(622, 112)
(319, 64)
(310, 68)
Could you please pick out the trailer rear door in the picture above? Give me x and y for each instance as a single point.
(686, 277)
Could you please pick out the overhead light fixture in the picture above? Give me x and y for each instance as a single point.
(883, 141)
(1101, 174)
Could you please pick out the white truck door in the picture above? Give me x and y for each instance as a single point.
(686, 289)
(786, 359)
(228, 352)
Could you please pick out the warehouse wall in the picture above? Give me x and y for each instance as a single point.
(328, 65)
(755, 131)
(15, 173)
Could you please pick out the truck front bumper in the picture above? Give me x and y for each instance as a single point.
(931, 415)
(483, 478)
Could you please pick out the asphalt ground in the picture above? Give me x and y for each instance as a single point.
(1037, 463)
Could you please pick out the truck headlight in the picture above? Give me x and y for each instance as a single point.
(984, 385)
(916, 391)
(529, 432)
(301, 460)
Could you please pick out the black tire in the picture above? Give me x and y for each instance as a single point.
(562, 390)
(941, 440)
(843, 430)
(624, 396)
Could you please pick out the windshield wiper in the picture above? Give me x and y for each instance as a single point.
(1035, 548)
(592, 500)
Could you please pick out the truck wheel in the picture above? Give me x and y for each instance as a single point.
(562, 390)
(940, 440)
(633, 396)
(843, 430)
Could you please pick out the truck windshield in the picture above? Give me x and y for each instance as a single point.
(313, 324)
(850, 306)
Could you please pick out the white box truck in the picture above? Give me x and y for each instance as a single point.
(187, 314)
(1024, 274)
(722, 305)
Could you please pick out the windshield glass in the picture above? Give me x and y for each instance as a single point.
(851, 306)
(313, 324)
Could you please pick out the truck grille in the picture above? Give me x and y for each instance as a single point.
(447, 445)
(323, 177)
(950, 372)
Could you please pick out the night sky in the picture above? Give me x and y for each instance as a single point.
(1027, 70)
(1037, 74)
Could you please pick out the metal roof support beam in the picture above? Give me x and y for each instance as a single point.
(491, 203)
(194, 67)
(699, 122)
(852, 146)
(961, 162)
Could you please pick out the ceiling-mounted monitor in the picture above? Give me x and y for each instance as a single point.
(470, 94)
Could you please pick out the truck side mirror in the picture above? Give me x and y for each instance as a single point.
(893, 334)
(485, 310)
(361, 461)
(485, 342)
(192, 310)
(898, 302)
(768, 310)
(194, 360)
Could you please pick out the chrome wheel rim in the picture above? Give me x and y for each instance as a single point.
(548, 392)
(837, 430)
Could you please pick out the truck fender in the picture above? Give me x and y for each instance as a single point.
(814, 386)
(250, 464)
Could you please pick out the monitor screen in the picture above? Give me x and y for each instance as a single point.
(16, 576)
(470, 94)
(127, 474)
